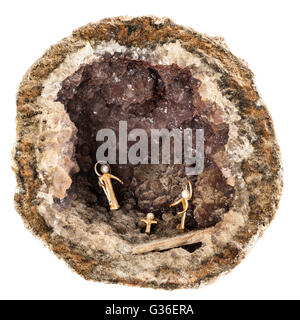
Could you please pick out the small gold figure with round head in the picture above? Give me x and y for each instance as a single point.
(186, 195)
(104, 181)
(149, 221)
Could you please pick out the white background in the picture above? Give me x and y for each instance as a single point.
(265, 34)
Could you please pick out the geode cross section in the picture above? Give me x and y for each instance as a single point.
(151, 74)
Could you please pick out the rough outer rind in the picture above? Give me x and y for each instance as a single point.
(261, 171)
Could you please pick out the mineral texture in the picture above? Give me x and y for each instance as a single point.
(153, 74)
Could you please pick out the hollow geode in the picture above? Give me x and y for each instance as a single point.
(156, 74)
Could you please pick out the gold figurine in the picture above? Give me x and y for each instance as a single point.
(104, 181)
(186, 196)
(148, 222)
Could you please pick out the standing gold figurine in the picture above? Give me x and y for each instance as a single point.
(148, 222)
(186, 196)
(104, 181)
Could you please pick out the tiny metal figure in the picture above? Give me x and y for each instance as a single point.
(148, 222)
(186, 196)
(104, 181)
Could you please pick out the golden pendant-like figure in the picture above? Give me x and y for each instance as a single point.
(186, 196)
(148, 222)
(104, 181)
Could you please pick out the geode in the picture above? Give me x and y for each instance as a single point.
(150, 73)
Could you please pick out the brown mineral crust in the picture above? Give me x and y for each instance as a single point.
(146, 32)
(262, 172)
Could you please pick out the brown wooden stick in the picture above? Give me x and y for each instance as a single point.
(168, 243)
